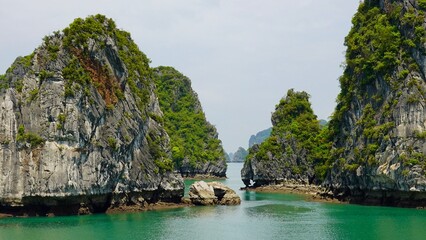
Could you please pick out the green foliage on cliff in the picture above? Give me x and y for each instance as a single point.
(372, 50)
(79, 32)
(137, 65)
(112, 143)
(191, 135)
(3, 82)
(294, 115)
(100, 29)
(422, 4)
(32, 94)
(32, 138)
(74, 72)
(376, 46)
(373, 46)
(379, 71)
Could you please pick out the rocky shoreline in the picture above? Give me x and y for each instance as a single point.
(122, 209)
(201, 193)
(150, 207)
(320, 194)
(311, 192)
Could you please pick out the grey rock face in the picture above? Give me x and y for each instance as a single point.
(68, 144)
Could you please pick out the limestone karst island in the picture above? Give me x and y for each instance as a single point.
(89, 127)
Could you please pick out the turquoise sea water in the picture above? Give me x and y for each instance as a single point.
(260, 216)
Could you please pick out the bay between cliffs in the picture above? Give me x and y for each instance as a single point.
(260, 216)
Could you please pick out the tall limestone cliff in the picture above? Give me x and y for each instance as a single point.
(78, 126)
(196, 149)
(294, 151)
(379, 125)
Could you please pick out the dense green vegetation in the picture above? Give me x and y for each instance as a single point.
(79, 32)
(296, 129)
(372, 50)
(376, 45)
(3, 82)
(191, 135)
(5, 79)
(73, 72)
(138, 66)
(379, 53)
(29, 137)
(101, 29)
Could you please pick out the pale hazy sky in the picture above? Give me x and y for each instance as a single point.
(241, 55)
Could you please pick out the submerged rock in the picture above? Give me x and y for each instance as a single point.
(212, 193)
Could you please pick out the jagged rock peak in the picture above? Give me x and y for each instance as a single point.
(78, 125)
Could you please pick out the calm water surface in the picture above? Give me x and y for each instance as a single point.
(260, 216)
